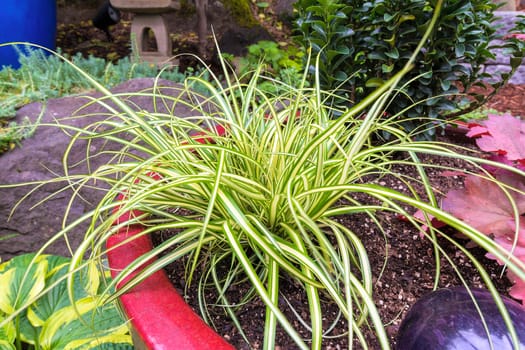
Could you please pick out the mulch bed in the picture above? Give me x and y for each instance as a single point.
(509, 99)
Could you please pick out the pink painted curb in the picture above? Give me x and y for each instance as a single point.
(158, 314)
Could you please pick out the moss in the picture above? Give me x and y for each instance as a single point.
(187, 7)
(241, 11)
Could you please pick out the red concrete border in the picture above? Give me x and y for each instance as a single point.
(158, 314)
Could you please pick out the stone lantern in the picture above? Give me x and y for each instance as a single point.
(148, 15)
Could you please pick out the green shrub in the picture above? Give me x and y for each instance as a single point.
(363, 43)
(283, 63)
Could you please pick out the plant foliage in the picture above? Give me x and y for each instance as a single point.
(495, 203)
(283, 63)
(42, 76)
(36, 310)
(363, 43)
(259, 202)
(252, 182)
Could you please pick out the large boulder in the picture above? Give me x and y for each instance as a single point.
(30, 215)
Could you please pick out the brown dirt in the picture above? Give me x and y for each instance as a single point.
(509, 99)
(403, 269)
(410, 267)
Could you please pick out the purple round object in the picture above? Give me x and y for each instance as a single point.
(447, 319)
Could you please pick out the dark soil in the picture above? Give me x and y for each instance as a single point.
(403, 269)
(408, 260)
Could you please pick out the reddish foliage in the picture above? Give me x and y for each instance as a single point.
(484, 205)
(497, 208)
(504, 136)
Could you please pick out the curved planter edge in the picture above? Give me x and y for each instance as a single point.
(159, 316)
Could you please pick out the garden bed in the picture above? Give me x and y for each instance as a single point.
(409, 270)
(403, 268)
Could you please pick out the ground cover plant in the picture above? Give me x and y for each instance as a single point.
(42, 76)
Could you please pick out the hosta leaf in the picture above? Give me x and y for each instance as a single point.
(5, 345)
(21, 281)
(86, 283)
(28, 332)
(86, 327)
(7, 335)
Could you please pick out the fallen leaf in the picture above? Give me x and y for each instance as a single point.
(483, 204)
(506, 137)
(476, 131)
(432, 221)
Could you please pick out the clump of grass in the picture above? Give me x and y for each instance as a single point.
(264, 197)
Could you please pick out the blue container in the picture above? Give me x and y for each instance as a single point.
(33, 21)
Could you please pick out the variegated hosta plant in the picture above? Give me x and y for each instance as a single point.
(36, 311)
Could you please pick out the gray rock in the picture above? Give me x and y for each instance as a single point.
(501, 64)
(35, 219)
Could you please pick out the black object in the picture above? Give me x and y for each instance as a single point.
(106, 16)
(447, 319)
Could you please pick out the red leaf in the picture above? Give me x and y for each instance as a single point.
(506, 136)
(483, 204)
(517, 291)
(476, 131)
(435, 223)
(453, 173)
(519, 36)
(517, 249)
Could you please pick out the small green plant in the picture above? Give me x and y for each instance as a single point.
(12, 133)
(285, 64)
(271, 53)
(37, 312)
(363, 43)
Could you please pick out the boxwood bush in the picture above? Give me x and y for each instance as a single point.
(362, 43)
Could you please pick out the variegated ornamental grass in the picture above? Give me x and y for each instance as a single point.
(264, 196)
